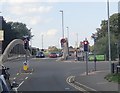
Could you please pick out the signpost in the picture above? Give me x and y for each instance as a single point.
(86, 49)
(26, 46)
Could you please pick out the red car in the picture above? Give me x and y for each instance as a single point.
(53, 55)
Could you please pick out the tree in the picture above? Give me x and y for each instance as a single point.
(19, 30)
(12, 30)
(53, 49)
(102, 36)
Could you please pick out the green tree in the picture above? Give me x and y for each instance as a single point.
(53, 49)
(102, 36)
(12, 30)
(19, 29)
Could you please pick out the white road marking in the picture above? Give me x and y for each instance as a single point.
(20, 84)
(31, 73)
(26, 78)
(17, 73)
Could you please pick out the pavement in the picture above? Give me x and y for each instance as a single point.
(95, 81)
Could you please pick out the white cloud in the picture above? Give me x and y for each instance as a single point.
(41, 9)
(51, 32)
(34, 21)
(18, 10)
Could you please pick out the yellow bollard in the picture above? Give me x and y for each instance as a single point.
(25, 66)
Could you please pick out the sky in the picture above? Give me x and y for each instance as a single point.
(44, 18)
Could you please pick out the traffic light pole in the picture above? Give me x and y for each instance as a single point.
(86, 49)
(86, 53)
(94, 55)
(26, 55)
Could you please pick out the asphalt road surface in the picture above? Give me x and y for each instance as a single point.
(46, 74)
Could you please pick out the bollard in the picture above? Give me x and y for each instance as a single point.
(118, 68)
(25, 66)
(112, 67)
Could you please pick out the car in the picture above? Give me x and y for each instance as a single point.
(59, 54)
(40, 55)
(52, 55)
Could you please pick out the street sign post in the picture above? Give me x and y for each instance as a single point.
(26, 46)
(86, 49)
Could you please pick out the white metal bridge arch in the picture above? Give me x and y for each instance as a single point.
(8, 49)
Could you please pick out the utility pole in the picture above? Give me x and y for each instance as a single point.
(42, 41)
(68, 38)
(109, 47)
(62, 23)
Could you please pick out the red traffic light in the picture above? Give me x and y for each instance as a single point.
(86, 42)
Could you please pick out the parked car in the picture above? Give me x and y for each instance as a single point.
(53, 55)
(40, 55)
(59, 54)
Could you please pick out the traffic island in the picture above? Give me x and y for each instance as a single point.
(29, 70)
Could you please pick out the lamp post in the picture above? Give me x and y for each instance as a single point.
(68, 38)
(62, 24)
(67, 33)
(109, 47)
(42, 41)
(31, 39)
(64, 53)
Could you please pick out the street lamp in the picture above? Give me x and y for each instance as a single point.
(109, 35)
(31, 39)
(68, 38)
(42, 41)
(68, 33)
(62, 24)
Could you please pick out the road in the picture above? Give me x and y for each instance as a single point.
(47, 74)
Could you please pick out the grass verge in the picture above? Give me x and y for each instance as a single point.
(113, 77)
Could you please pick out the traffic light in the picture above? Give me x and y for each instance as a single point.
(62, 41)
(86, 46)
(26, 43)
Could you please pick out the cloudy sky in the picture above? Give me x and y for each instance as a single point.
(44, 17)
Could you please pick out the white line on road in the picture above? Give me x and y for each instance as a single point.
(20, 84)
(26, 78)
